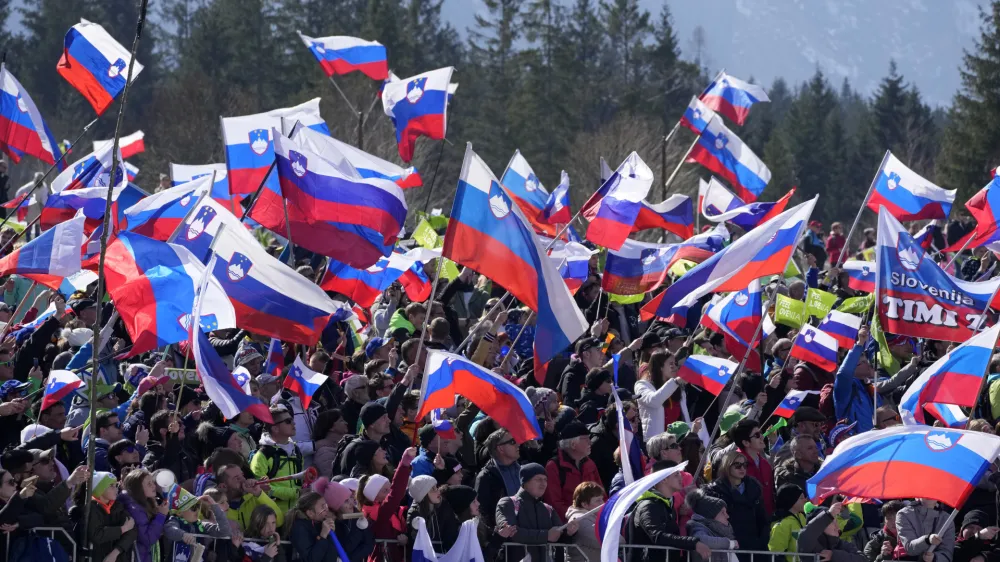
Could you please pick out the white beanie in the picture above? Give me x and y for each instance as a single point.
(420, 486)
(374, 486)
(33, 430)
(351, 483)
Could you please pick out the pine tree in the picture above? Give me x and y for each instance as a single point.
(807, 132)
(887, 111)
(671, 80)
(586, 41)
(628, 30)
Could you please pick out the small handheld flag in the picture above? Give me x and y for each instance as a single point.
(303, 381)
(59, 385)
(815, 347)
(791, 402)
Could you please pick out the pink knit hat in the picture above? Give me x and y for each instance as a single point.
(334, 493)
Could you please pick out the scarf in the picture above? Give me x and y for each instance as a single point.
(718, 529)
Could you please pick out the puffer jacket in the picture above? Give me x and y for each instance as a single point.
(714, 534)
(285, 493)
(654, 522)
(746, 511)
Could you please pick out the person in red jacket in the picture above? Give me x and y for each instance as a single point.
(571, 466)
(380, 498)
(835, 242)
(750, 443)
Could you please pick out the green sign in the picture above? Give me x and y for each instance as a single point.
(789, 312)
(819, 303)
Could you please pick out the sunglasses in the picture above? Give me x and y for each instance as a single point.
(673, 446)
(117, 424)
(511, 442)
(286, 420)
(756, 435)
(739, 465)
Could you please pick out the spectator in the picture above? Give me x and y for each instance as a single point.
(242, 495)
(654, 522)
(587, 497)
(882, 544)
(788, 521)
(836, 243)
(308, 528)
(976, 539)
(354, 533)
(500, 476)
(749, 441)
(595, 396)
(917, 529)
(279, 456)
(570, 467)
(574, 377)
(656, 385)
(430, 451)
(709, 525)
(264, 525)
(442, 525)
(112, 531)
(380, 501)
(356, 387)
(821, 535)
(664, 447)
(149, 512)
(744, 498)
(178, 533)
(802, 466)
(328, 429)
(537, 523)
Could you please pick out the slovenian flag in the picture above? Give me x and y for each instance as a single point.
(710, 373)
(442, 425)
(732, 97)
(275, 358)
(418, 106)
(696, 116)
(22, 129)
(721, 151)
(815, 347)
(49, 257)
(861, 275)
(556, 210)
(130, 145)
(907, 195)
(792, 402)
(343, 55)
(58, 386)
(842, 326)
(675, 214)
(95, 64)
(614, 214)
(303, 381)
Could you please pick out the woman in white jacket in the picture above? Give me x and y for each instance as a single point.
(657, 383)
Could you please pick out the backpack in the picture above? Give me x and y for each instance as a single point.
(278, 456)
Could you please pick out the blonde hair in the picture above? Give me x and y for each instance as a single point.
(727, 462)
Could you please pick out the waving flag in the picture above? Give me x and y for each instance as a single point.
(275, 358)
(52, 255)
(984, 206)
(608, 524)
(573, 261)
(153, 286)
(640, 267)
(721, 205)
(363, 286)
(220, 384)
(696, 116)
(442, 425)
(765, 250)
(815, 347)
(736, 316)
(915, 297)
(722, 152)
(22, 129)
(58, 386)
(907, 461)
(524, 187)
(95, 64)
(862, 275)
(303, 381)
(954, 379)
(925, 236)
(447, 375)
(732, 97)
(270, 298)
(675, 214)
(249, 152)
(306, 114)
(632, 461)
(61, 207)
(710, 373)
(159, 215)
(791, 402)
(418, 106)
(488, 233)
(347, 157)
(183, 173)
(93, 170)
(353, 221)
(842, 326)
(907, 195)
(556, 210)
(130, 145)
(614, 214)
(950, 415)
(343, 55)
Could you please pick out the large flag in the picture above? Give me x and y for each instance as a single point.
(524, 187)
(447, 375)
(556, 210)
(954, 379)
(722, 152)
(696, 116)
(270, 298)
(130, 145)
(640, 267)
(219, 383)
(915, 297)
(343, 55)
(732, 97)
(721, 205)
(159, 215)
(49, 257)
(613, 216)
(347, 157)
(303, 381)
(22, 129)
(488, 233)
(907, 461)
(705, 371)
(907, 195)
(815, 347)
(609, 520)
(363, 286)
(765, 250)
(95, 64)
(418, 106)
(351, 220)
(675, 214)
(153, 285)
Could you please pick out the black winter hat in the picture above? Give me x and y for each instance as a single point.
(459, 497)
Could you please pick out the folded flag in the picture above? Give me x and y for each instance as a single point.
(343, 55)
(613, 216)
(609, 519)
(347, 157)
(696, 116)
(22, 129)
(732, 97)
(363, 286)
(130, 145)
(63, 206)
(153, 285)
(219, 383)
(907, 195)
(954, 379)
(93, 170)
(355, 221)
(303, 382)
(447, 375)
(925, 236)
(160, 215)
(58, 386)
(489, 234)
(275, 358)
(524, 187)
(842, 326)
(51, 256)
(306, 115)
(556, 210)
(815, 347)
(418, 106)
(984, 206)
(573, 261)
(791, 402)
(862, 275)
(721, 205)
(710, 373)
(908, 461)
(675, 214)
(270, 298)
(442, 425)
(763, 251)
(95, 64)
(722, 152)
(632, 462)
